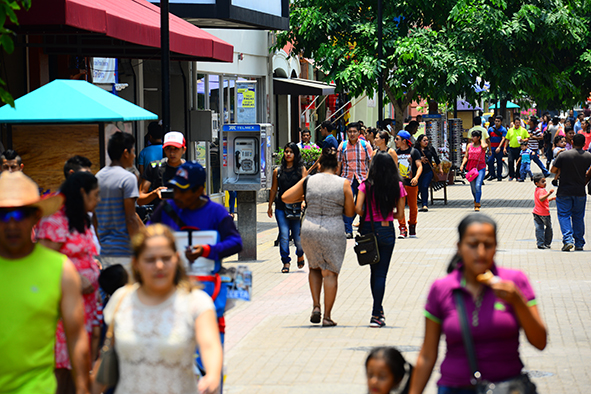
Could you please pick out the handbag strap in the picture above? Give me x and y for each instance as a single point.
(467, 336)
(111, 328)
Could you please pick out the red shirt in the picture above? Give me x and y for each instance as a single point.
(541, 208)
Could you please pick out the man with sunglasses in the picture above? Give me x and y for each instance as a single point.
(37, 287)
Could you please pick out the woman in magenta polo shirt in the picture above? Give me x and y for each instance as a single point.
(495, 312)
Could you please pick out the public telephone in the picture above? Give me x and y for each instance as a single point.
(246, 155)
(247, 162)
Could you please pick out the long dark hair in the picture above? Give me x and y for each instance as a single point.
(75, 211)
(463, 227)
(418, 142)
(297, 158)
(384, 183)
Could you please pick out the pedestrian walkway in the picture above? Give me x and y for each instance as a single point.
(272, 348)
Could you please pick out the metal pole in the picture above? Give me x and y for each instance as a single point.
(165, 64)
(381, 75)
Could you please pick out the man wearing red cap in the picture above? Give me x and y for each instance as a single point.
(37, 287)
(157, 174)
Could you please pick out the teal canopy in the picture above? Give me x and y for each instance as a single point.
(510, 105)
(71, 101)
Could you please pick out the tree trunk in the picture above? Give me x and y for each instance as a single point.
(400, 105)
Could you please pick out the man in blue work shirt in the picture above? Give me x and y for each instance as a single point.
(190, 207)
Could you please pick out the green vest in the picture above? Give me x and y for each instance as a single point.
(30, 293)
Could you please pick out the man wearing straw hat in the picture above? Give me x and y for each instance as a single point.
(37, 287)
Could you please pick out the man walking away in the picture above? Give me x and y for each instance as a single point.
(574, 169)
(117, 221)
(37, 287)
(354, 156)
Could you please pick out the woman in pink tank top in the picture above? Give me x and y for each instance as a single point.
(475, 158)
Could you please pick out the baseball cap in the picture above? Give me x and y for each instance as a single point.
(189, 175)
(174, 138)
(405, 135)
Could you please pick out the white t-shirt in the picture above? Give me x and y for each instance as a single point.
(156, 344)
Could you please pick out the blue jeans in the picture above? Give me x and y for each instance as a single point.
(543, 230)
(232, 200)
(525, 170)
(498, 157)
(285, 226)
(476, 185)
(453, 390)
(424, 182)
(349, 220)
(571, 217)
(377, 281)
(536, 159)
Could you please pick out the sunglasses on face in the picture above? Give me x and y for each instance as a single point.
(18, 214)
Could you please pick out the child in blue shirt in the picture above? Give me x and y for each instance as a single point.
(525, 158)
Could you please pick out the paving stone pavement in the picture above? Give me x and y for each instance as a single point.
(272, 348)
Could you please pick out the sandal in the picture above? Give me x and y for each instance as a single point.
(328, 322)
(316, 315)
(301, 262)
(285, 269)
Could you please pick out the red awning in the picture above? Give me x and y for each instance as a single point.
(116, 28)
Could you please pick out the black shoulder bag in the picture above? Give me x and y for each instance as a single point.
(366, 246)
(520, 384)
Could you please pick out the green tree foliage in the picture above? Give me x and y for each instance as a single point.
(437, 49)
(7, 12)
(529, 49)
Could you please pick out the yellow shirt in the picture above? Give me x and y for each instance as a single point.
(30, 290)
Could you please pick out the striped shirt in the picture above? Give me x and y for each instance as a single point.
(354, 160)
(116, 184)
(534, 144)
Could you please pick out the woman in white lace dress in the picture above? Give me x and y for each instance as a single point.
(160, 321)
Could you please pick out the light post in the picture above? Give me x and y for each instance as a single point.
(381, 74)
(165, 64)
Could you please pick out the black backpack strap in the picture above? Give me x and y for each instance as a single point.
(173, 215)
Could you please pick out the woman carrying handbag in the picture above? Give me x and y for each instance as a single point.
(498, 303)
(475, 164)
(384, 193)
(157, 324)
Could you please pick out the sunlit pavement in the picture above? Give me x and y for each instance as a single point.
(271, 347)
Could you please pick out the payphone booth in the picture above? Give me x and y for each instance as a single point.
(246, 157)
(247, 168)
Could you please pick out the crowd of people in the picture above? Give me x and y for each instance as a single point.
(67, 257)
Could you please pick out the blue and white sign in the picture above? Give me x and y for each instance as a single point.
(104, 70)
(241, 127)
